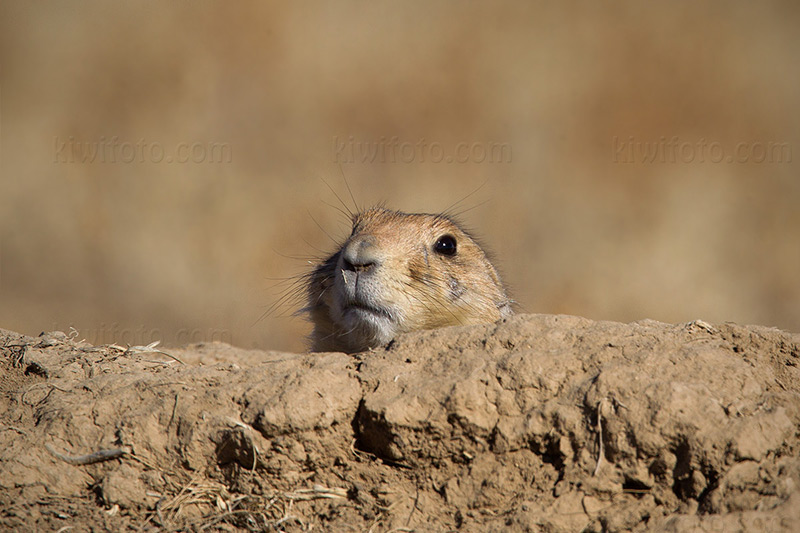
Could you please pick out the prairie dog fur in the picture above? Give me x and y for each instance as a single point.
(400, 272)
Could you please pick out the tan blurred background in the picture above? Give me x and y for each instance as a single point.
(163, 164)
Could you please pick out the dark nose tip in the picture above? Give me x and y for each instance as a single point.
(360, 255)
(357, 267)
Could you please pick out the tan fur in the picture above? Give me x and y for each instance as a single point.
(388, 278)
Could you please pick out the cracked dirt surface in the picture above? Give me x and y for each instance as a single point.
(538, 423)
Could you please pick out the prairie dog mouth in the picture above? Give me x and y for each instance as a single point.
(361, 307)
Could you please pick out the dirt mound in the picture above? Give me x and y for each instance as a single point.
(538, 423)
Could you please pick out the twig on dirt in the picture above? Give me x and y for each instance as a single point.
(35, 387)
(599, 437)
(229, 513)
(219, 518)
(150, 348)
(156, 362)
(160, 515)
(172, 416)
(287, 517)
(702, 324)
(316, 493)
(248, 433)
(375, 523)
(413, 507)
(51, 387)
(196, 491)
(91, 458)
(20, 431)
(360, 454)
(20, 355)
(142, 461)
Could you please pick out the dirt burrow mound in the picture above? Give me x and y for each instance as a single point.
(538, 423)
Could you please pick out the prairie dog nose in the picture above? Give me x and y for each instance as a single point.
(361, 254)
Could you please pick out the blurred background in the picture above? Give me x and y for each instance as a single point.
(164, 166)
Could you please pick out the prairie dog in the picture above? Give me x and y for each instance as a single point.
(400, 272)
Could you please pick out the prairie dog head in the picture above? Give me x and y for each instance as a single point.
(400, 272)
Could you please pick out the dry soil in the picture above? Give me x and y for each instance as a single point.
(538, 423)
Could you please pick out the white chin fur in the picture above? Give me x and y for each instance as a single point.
(367, 328)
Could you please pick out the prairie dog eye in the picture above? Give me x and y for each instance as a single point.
(445, 245)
